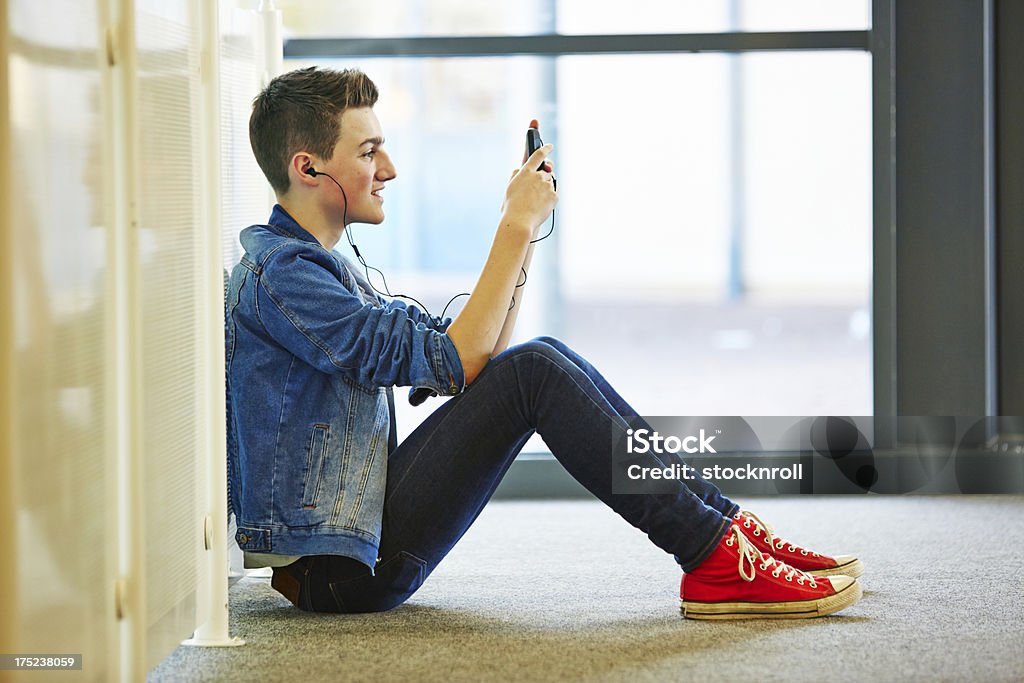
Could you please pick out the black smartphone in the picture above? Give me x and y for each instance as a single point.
(533, 143)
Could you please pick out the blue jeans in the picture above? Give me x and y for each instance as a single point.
(442, 475)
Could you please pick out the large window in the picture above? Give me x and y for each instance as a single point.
(712, 251)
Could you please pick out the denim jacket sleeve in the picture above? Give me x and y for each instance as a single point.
(307, 303)
(416, 314)
(412, 310)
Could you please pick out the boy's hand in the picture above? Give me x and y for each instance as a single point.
(530, 196)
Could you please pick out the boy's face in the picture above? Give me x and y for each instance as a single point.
(361, 166)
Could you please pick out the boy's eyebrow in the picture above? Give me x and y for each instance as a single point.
(375, 141)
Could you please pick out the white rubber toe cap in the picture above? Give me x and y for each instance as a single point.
(840, 582)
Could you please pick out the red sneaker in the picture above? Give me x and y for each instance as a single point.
(738, 581)
(761, 535)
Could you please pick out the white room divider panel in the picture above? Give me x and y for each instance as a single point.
(112, 500)
(61, 544)
(112, 421)
(169, 286)
(8, 575)
(245, 193)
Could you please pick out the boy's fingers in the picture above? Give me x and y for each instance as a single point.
(537, 157)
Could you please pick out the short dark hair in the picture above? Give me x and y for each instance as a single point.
(301, 110)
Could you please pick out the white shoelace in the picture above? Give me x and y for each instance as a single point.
(759, 526)
(753, 558)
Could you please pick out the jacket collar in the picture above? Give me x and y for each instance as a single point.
(282, 223)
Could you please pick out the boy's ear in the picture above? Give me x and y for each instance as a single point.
(301, 163)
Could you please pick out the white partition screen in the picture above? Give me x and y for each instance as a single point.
(61, 466)
(169, 280)
(245, 191)
(62, 542)
(112, 415)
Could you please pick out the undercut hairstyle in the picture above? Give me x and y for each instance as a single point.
(301, 110)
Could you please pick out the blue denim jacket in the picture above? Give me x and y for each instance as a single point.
(311, 355)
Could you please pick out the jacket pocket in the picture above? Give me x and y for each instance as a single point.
(364, 470)
(316, 459)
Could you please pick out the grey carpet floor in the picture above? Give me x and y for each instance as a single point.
(567, 591)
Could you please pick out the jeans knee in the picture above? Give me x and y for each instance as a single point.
(563, 350)
(544, 343)
(540, 347)
(553, 342)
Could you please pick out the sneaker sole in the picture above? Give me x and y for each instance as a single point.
(851, 569)
(801, 609)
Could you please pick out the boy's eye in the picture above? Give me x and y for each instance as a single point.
(370, 153)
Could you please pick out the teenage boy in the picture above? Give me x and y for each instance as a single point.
(352, 521)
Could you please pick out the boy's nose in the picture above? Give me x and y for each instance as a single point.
(386, 171)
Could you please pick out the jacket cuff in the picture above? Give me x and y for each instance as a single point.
(449, 379)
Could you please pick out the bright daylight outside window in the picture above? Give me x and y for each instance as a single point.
(712, 246)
